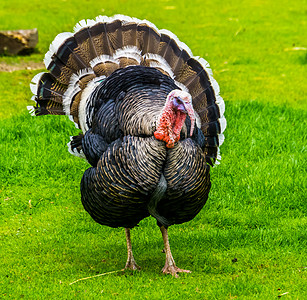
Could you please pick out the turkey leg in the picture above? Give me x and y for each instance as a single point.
(130, 264)
(170, 266)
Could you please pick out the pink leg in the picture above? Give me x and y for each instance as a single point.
(130, 264)
(170, 266)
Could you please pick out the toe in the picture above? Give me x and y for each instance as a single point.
(174, 271)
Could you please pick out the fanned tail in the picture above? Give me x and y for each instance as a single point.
(77, 62)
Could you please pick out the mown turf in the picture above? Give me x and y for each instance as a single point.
(248, 242)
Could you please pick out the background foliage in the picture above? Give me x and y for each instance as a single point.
(250, 239)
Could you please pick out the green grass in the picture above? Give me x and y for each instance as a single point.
(256, 210)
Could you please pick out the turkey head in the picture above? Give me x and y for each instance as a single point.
(178, 105)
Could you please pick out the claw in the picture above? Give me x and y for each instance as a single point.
(131, 265)
(173, 270)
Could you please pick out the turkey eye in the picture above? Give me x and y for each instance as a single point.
(185, 100)
(179, 99)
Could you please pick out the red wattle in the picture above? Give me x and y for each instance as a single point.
(170, 125)
(158, 135)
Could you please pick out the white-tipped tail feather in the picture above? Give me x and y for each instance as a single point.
(204, 64)
(103, 59)
(175, 38)
(221, 138)
(75, 151)
(31, 110)
(85, 116)
(131, 52)
(55, 45)
(83, 24)
(34, 82)
(223, 123)
(158, 61)
(221, 104)
(74, 88)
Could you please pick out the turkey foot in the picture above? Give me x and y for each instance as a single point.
(174, 270)
(170, 266)
(130, 264)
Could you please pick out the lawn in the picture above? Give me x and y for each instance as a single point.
(249, 241)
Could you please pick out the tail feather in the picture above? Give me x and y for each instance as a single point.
(152, 40)
(100, 39)
(80, 60)
(58, 41)
(49, 94)
(129, 32)
(104, 65)
(175, 52)
(66, 61)
(114, 34)
(87, 45)
(127, 56)
(144, 38)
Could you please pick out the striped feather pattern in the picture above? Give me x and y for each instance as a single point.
(119, 191)
(189, 159)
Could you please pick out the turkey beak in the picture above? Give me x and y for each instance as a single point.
(179, 105)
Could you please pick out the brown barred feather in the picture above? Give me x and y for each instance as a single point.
(100, 39)
(74, 109)
(88, 47)
(125, 62)
(114, 34)
(129, 34)
(105, 69)
(83, 81)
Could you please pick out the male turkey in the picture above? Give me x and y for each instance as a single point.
(151, 120)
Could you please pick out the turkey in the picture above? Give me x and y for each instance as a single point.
(151, 117)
